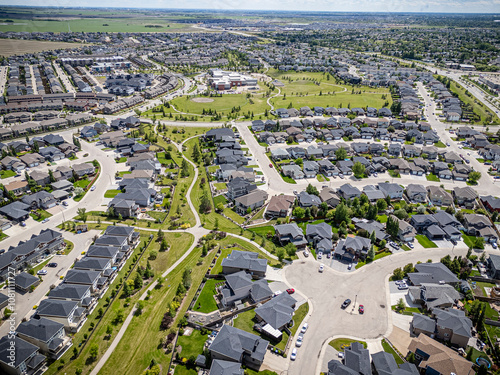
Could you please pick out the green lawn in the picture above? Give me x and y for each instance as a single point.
(192, 344)
(320, 177)
(183, 370)
(123, 159)
(377, 256)
(233, 215)
(288, 179)
(213, 168)
(341, 343)
(432, 177)
(263, 230)
(111, 193)
(393, 173)
(43, 215)
(206, 301)
(83, 183)
(388, 349)
(440, 144)
(382, 219)
(424, 241)
(469, 240)
(220, 185)
(161, 158)
(218, 264)
(220, 199)
(298, 317)
(7, 173)
(123, 173)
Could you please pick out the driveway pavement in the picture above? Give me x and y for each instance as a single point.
(327, 291)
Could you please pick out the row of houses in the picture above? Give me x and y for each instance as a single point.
(47, 333)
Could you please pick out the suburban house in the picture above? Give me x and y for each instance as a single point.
(290, 233)
(280, 206)
(432, 296)
(67, 313)
(352, 248)
(493, 263)
(406, 231)
(329, 196)
(436, 358)
(277, 312)
(480, 225)
(320, 236)
(244, 261)
(252, 200)
(465, 196)
(234, 345)
(239, 287)
(439, 197)
(27, 360)
(432, 273)
(356, 361)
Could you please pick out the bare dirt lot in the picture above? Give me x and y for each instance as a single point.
(9, 47)
(202, 100)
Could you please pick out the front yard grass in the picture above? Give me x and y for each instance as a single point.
(432, 177)
(40, 215)
(341, 343)
(220, 185)
(320, 177)
(111, 193)
(206, 301)
(7, 174)
(122, 159)
(388, 349)
(469, 240)
(83, 183)
(424, 241)
(299, 316)
(245, 322)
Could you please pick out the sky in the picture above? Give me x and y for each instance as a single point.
(432, 6)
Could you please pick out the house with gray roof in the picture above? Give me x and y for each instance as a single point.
(493, 264)
(16, 211)
(277, 312)
(73, 292)
(356, 362)
(308, 200)
(24, 282)
(392, 190)
(293, 171)
(244, 261)
(423, 324)
(220, 367)
(67, 313)
(347, 191)
(432, 296)
(290, 233)
(27, 359)
(320, 236)
(41, 199)
(47, 334)
(252, 200)
(352, 248)
(240, 287)
(416, 193)
(453, 326)
(235, 345)
(432, 273)
(465, 196)
(383, 363)
(329, 196)
(83, 277)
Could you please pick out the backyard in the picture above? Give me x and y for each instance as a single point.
(206, 301)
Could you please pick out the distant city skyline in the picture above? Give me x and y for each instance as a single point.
(385, 6)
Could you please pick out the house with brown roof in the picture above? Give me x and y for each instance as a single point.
(433, 357)
(280, 206)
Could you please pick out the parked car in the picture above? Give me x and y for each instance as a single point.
(92, 188)
(65, 203)
(349, 267)
(277, 293)
(494, 245)
(270, 165)
(299, 341)
(402, 286)
(293, 356)
(46, 220)
(23, 224)
(42, 272)
(306, 253)
(290, 291)
(410, 245)
(321, 267)
(304, 328)
(52, 265)
(361, 309)
(346, 303)
(320, 255)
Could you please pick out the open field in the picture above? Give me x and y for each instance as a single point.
(9, 47)
(132, 25)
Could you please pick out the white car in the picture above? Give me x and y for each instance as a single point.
(320, 255)
(92, 188)
(349, 267)
(304, 328)
(306, 253)
(293, 356)
(321, 267)
(42, 272)
(299, 341)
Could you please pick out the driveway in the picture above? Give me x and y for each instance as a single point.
(326, 292)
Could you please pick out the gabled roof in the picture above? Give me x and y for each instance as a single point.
(455, 320)
(424, 323)
(432, 273)
(69, 291)
(24, 280)
(57, 308)
(23, 350)
(233, 342)
(220, 367)
(278, 311)
(245, 260)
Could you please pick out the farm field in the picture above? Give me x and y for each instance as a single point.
(9, 47)
(132, 25)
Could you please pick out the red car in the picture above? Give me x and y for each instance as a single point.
(290, 291)
(361, 309)
(270, 165)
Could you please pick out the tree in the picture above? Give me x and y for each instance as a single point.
(280, 253)
(401, 304)
(420, 209)
(126, 290)
(205, 206)
(186, 278)
(371, 253)
(401, 214)
(373, 238)
(51, 176)
(342, 213)
(310, 189)
(290, 249)
(474, 177)
(249, 210)
(381, 205)
(392, 227)
(371, 213)
(94, 351)
(196, 153)
(358, 169)
(299, 212)
(82, 214)
(109, 330)
(138, 281)
(341, 153)
(184, 168)
(397, 274)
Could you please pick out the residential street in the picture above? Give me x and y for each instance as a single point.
(326, 292)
